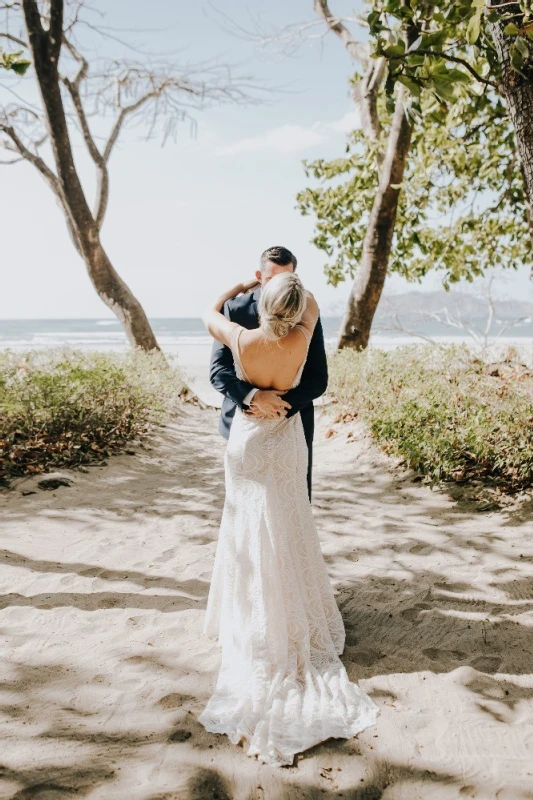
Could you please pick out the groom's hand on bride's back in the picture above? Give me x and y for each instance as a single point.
(268, 403)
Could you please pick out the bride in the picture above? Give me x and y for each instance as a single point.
(282, 687)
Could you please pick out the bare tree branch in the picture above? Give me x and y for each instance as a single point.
(398, 326)
(153, 91)
(482, 336)
(102, 192)
(14, 39)
(358, 51)
(33, 158)
(55, 30)
(365, 93)
(73, 88)
(119, 122)
(11, 149)
(33, 17)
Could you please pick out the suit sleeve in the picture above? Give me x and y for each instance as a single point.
(222, 371)
(314, 379)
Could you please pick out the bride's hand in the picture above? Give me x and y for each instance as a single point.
(240, 288)
(249, 286)
(270, 404)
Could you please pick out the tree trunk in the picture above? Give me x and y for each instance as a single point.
(517, 90)
(372, 271)
(46, 46)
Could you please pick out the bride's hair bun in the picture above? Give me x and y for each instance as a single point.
(281, 304)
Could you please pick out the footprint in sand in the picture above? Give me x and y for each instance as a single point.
(444, 655)
(422, 548)
(366, 657)
(414, 613)
(486, 663)
(134, 660)
(179, 735)
(468, 791)
(490, 689)
(351, 636)
(174, 700)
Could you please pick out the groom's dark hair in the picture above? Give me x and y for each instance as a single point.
(278, 255)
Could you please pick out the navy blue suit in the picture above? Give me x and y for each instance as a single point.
(243, 310)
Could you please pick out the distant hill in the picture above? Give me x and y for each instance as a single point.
(468, 305)
(415, 306)
(425, 312)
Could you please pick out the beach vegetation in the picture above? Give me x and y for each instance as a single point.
(64, 407)
(444, 412)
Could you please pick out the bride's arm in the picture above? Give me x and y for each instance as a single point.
(219, 326)
(310, 316)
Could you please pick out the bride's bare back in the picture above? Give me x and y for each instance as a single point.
(275, 364)
(272, 365)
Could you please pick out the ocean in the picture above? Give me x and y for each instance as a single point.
(190, 342)
(174, 334)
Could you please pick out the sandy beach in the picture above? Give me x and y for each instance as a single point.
(105, 670)
(366, 175)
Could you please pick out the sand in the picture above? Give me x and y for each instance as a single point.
(104, 667)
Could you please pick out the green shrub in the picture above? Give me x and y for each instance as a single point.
(65, 407)
(446, 413)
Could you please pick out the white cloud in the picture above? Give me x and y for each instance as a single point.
(286, 139)
(291, 138)
(348, 123)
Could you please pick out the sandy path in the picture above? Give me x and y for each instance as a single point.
(104, 669)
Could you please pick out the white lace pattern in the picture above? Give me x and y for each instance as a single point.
(281, 686)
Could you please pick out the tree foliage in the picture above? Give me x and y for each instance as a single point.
(455, 33)
(462, 207)
(14, 61)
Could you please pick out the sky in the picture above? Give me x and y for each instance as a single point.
(190, 218)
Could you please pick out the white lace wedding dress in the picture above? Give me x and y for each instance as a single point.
(281, 685)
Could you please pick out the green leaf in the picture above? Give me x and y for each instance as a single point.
(374, 22)
(458, 76)
(522, 46)
(416, 60)
(412, 85)
(443, 88)
(511, 29)
(474, 29)
(397, 49)
(20, 67)
(516, 58)
(433, 40)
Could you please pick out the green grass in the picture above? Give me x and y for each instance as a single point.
(444, 412)
(65, 407)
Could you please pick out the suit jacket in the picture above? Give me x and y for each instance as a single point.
(314, 381)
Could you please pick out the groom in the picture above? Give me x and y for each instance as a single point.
(243, 310)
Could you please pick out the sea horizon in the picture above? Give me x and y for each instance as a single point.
(103, 333)
(186, 339)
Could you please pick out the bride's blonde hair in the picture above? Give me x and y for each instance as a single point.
(281, 304)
